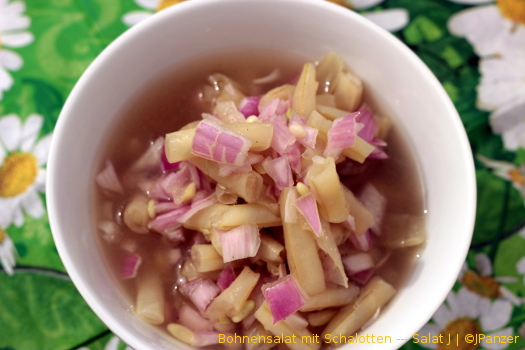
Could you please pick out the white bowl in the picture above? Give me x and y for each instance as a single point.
(400, 84)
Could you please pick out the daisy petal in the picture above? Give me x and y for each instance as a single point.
(486, 39)
(14, 23)
(32, 204)
(497, 316)
(17, 39)
(7, 255)
(5, 80)
(148, 4)
(363, 4)
(483, 264)
(10, 60)
(112, 344)
(444, 315)
(468, 303)
(507, 294)
(508, 116)
(30, 131)
(10, 131)
(6, 214)
(390, 19)
(520, 265)
(515, 137)
(3, 153)
(41, 150)
(18, 216)
(504, 334)
(134, 17)
(40, 182)
(434, 330)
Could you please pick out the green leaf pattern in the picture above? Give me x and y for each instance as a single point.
(46, 45)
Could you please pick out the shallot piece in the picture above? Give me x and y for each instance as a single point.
(341, 135)
(214, 143)
(130, 266)
(201, 292)
(280, 171)
(284, 298)
(108, 179)
(307, 206)
(240, 242)
(250, 106)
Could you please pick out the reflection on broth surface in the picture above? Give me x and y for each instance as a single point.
(299, 207)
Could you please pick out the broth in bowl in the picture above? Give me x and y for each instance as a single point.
(251, 194)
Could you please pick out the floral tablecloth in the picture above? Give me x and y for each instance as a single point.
(476, 48)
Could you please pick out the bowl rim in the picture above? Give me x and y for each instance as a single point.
(188, 6)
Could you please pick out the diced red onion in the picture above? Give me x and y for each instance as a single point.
(378, 153)
(165, 165)
(361, 242)
(284, 298)
(164, 207)
(194, 174)
(198, 205)
(108, 179)
(357, 262)
(267, 112)
(155, 190)
(273, 76)
(111, 232)
(201, 292)
(282, 137)
(307, 206)
(294, 156)
(206, 338)
(282, 107)
(192, 319)
(341, 135)
(151, 158)
(376, 202)
(222, 146)
(226, 277)
(169, 221)
(369, 130)
(130, 265)
(176, 235)
(250, 106)
(240, 242)
(363, 276)
(280, 172)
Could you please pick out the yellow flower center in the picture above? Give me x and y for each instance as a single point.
(456, 331)
(516, 177)
(338, 2)
(513, 10)
(2, 236)
(482, 285)
(167, 3)
(18, 172)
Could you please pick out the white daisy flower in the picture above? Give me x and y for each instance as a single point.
(13, 34)
(390, 19)
(150, 7)
(466, 313)
(482, 282)
(507, 171)
(500, 43)
(7, 252)
(22, 175)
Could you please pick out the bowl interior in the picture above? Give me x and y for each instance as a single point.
(398, 83)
